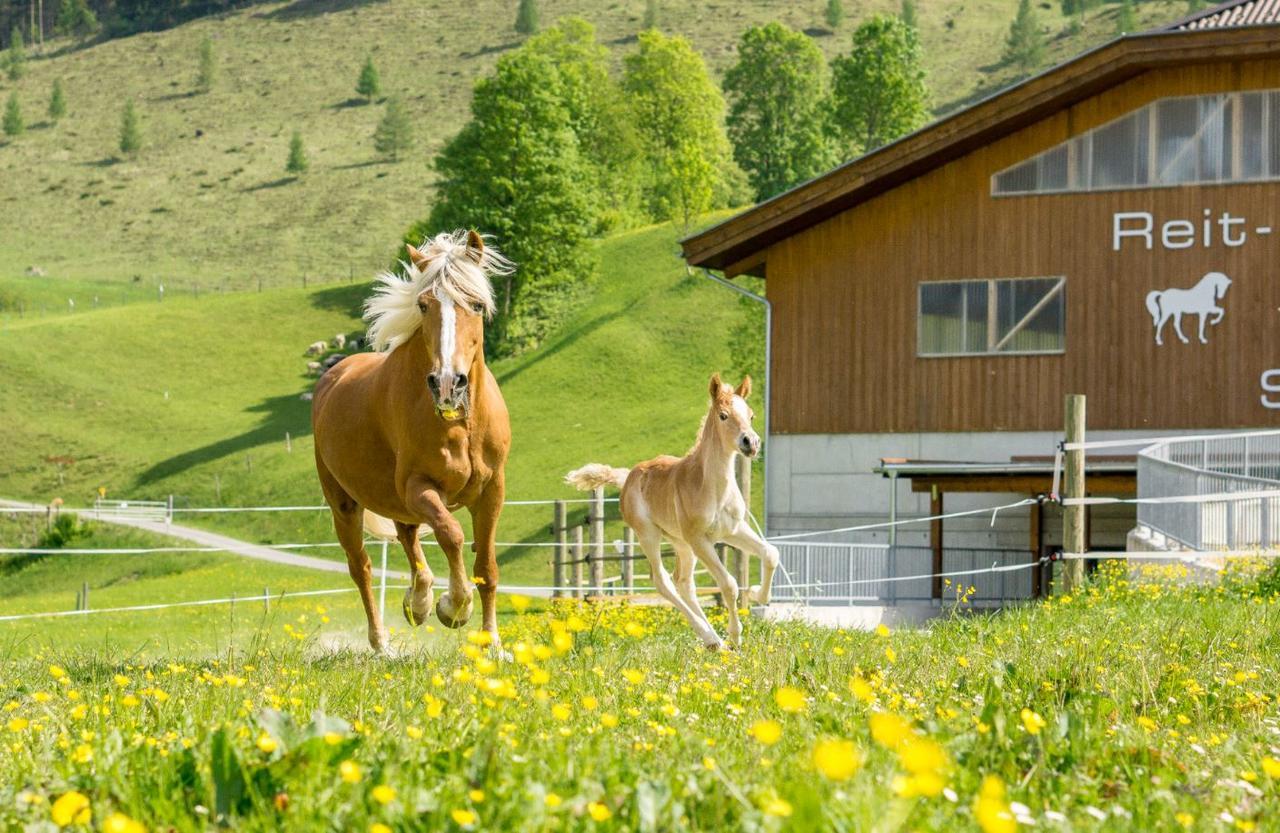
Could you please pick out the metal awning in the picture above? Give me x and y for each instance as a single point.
(1022, 475)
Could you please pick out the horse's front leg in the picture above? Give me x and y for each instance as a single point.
(1177, 328)
(746, 540)
(454, 607)
(1203, 317)
(484, 520)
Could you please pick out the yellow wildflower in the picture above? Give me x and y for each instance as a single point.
(350, 771)
(463, 818)
(888, 729)
(1032, 722)
(120, 823)
(71, 808)
(383, 794)
(552, 800)
(790, 699)
(837, 760)
(767, 732)
(598, 811)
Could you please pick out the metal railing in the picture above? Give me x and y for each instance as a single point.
(152, 510)
(827, 573)
(1247, 462)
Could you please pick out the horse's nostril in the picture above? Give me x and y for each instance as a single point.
(462, 380)
(433, 380)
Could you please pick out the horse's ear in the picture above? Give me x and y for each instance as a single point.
(475, 247)
(716, 384)
(744, 388)
(418, 258)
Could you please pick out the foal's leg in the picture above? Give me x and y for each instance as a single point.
(651, 542)
(454, 607)
(746, 539)
(706, 552)
(418, 598)
(484, 519)
(683, 577)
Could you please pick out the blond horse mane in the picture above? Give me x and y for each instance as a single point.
(451, 271)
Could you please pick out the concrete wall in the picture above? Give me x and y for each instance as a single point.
(823, 481)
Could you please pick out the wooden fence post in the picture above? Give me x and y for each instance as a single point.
(1073, 516)
(577, 561)
(597, 540)
(561, 550)
(84, 595)
(628, 561)
(266, 600)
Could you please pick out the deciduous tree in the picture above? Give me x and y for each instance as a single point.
(777, 94)
(515, 170)
(878, 89)
(678, 113)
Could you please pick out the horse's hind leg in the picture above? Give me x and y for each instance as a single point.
(419, 597)
(348, 523)
(683, 577)
(706, 552)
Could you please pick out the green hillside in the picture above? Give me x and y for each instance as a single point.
(207, 202)
(193, 396)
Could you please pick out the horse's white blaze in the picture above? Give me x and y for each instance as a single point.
(448, 334)
(740, 408)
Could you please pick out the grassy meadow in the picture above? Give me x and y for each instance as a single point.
(207, 204)
(1134, 705)
(193, 396)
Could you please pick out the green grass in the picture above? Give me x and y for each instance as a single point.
(193, 397)
(1128, 707)
(217, 209)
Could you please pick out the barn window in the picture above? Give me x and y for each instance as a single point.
(1001, 315)
(1218, 138)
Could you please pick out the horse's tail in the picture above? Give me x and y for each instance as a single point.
(1153, 306)
(595, 475)
(379, 527)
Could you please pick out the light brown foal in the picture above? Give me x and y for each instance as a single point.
(419, 429)
(694, 502)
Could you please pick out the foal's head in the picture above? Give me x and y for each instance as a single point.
(443, 302)
(731, 416)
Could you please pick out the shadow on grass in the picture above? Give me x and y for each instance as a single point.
(489, 50)
(280, 414)
(353, 165)
(176, 96)
(353, 102)
(303, 9)
(104, 162)
(348, 298)
(263, 186)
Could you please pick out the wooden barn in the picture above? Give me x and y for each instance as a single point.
(1110, 227)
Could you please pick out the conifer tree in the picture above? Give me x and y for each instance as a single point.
(57, 101)
(17, 55)
(650, 14)
(908, 14)
(130, 130)
(297, 162)
(208, 67)
(527, 17)
(835, 13)
(395, 132)
(1025, 45)
(368, 85)
(75, 18)
(1126, 19)
(13, 124)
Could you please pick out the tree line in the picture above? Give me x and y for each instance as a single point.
(559, 150)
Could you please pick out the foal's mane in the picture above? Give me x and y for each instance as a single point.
(451, 271)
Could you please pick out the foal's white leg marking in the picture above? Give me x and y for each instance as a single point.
(706, 553)
(746, 539)
(651, 542)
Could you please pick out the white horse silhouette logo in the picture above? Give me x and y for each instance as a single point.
(1198, 300)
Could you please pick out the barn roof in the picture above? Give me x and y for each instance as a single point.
(737, 245)
(1229, 14)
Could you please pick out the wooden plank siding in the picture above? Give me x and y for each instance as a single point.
(844, 293)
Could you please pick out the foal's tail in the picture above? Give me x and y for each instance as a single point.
(595, 475)
(1153, 306)
(379, 527)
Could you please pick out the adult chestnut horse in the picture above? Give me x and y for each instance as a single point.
(418, 429)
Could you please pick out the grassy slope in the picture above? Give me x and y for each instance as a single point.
(623, 380)
(1156, 710)
(217, 209)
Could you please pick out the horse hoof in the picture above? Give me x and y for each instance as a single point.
(449, 617)
(714, 646)
(378, 640)
(417, 609)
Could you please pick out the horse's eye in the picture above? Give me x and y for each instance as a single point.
(478, 309)
(723, 416)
